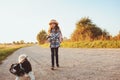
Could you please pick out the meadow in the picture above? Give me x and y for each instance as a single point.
(6, 50)
(89, 44)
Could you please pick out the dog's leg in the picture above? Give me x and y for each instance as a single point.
(31, 74)
(17, 78)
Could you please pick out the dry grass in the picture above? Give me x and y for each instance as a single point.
(6, 50)
(89, 44)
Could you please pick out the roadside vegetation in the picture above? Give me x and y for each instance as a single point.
(8, 49)
(85, 35)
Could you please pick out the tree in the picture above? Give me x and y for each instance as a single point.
(22, 42)
(14, 42)
(41, 37)
(17, 42)
(117, 37)
(105, 35)
(86, 30)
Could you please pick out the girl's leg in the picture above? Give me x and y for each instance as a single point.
(57, 57)
(17, 78)
(52, 56)
(31, 75)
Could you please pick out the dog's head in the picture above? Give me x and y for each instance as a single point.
(16, 70)
(22, 57)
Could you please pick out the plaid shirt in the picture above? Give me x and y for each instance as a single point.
(54, 39)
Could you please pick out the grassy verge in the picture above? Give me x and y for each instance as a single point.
(6, 50)
(89, 44)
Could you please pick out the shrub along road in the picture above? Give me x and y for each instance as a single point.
(75, 64)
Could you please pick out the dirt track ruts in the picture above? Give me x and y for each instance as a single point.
(75, 64)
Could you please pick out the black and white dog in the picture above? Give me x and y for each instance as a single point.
(23, 67)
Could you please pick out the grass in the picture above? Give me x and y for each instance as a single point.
(6, 50)
(89, 44)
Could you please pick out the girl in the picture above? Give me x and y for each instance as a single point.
(55, 38)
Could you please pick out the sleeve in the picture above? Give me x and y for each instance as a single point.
(48, 39)
(61, 37)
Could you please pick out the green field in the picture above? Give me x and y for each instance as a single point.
(89, 44)
(6, 50)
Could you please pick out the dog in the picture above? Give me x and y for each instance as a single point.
(22, 68)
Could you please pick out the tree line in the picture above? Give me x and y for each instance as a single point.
(22, 42)
(85, 30)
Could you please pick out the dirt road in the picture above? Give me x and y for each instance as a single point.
(75, 64)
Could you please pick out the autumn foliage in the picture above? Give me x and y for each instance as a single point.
(42, 37)
(87, 30)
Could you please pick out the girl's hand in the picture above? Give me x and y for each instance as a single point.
(48, 37)
(61, 40)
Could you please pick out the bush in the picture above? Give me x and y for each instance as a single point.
(41, 37)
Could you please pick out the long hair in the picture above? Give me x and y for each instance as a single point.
(56, 28)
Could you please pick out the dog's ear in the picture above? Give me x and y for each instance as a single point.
(12, 65)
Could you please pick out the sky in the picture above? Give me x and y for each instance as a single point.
(23, 19)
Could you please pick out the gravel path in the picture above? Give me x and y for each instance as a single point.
(75, 64)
